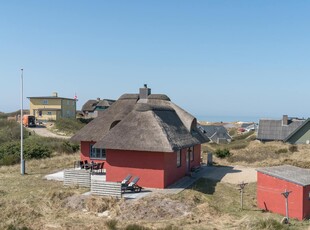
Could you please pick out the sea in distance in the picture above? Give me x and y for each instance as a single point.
(213, 118)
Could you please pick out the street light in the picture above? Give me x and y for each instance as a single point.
(22, 161)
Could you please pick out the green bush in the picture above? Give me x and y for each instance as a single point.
(222, 153)
(293, 148)
(10, 131)
(10, 151)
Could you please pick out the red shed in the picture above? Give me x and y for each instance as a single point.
(272, 181)
(144, 135)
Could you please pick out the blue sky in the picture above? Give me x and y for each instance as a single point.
(213, 58)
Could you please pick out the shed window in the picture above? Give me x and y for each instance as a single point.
(45, 102)
(96, 153)
(49, 113)
(179, 155)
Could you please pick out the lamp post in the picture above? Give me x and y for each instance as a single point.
(22, 161)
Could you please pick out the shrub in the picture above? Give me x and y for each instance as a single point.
(268, 224)
(69, 125)
(69, 147)
(12, 227)
(243, 136)
(281, 151)
(135, 227)
(111, 224)
(293, 148)
(222, 153)
(37, 151)
(10, 159)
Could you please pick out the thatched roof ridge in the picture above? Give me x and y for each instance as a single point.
(158, 97)
(146, 107)
(129, 96)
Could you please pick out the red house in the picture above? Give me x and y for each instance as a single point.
(144, 135)
(273, 181)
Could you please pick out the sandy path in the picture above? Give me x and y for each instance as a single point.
(231, 174)
(44, 132)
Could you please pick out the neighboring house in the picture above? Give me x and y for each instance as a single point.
(216, 133)
(247, 127)
(273, 181)
(52, 107)
(292, 130)
(144, 135)
(93, 108)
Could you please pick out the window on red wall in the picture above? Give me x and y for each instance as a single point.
(179, 157)
(192, 153)
(97, 153)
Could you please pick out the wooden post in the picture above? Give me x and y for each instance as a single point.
(241, 185)
(286, 194)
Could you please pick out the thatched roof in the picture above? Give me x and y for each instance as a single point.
(269, 130)
(105, 102)
(100, 126)
(152, 124)
(91, 105)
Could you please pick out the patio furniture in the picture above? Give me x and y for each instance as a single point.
(78, 164)
(87, 165)
(125, 182)
(132, 186)
(97, 166)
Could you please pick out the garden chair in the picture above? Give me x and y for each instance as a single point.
(98, 167)
(132, 186)
(125, 182)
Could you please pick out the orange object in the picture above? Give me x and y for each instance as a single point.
(29, 121)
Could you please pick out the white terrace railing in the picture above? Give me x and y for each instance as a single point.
(99, 187)
(77, 177)
(104, 188)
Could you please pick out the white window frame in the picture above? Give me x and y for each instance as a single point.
(95, 153)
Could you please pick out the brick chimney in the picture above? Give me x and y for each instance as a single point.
(285, 120)
(144, 92)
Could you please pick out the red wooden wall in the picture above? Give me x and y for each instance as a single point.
(269, 196)
(155, 169)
